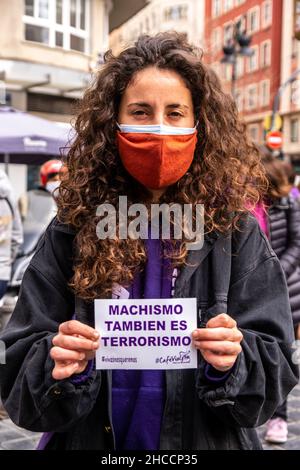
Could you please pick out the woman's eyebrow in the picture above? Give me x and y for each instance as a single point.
(147, 105)
(139, 103)
(177, 105)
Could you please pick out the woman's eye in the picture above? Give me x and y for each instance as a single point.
(175, 114)
(139, 113)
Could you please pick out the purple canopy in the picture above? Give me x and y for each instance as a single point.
(30, 139)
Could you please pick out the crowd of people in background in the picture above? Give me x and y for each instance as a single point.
(15, 213)
(279, 218)
(36, 205)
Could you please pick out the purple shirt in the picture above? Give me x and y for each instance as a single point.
(138, 396)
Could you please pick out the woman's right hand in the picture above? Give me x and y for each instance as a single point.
(73, 346)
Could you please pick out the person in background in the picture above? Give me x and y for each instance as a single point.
(50, 175)
(279, 217)
(291, 175)
(11, 232)
(11, 237)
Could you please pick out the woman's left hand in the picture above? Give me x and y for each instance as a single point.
(219, 342)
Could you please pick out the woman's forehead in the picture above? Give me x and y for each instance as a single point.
(154, 83)
(156, 75)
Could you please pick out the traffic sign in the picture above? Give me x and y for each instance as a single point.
(274, 139)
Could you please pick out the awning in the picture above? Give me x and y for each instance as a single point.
(25, 138)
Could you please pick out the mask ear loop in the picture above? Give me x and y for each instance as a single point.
(196, 125)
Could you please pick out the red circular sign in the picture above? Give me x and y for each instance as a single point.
(274, 139)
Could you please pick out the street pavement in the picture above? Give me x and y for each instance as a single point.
(293, 442)
(15, 438)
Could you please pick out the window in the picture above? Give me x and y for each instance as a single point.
(37, 8)
(59, 11)
(265, 53)
(253, 60)
(253, 131)
(294, 130)
(265, 93)
(175, 13)
(243, 22)
(153, 20)
(78, 14)
(82, 14)
(147, 25)
(239, 66)
(29, 7)
(253, 20)
(227, 72)
(228, 4)
(59, 39)
(216, 8)
(216, 66)
(239, 99)
(295, 92)
(266, 14)
(43, 9)
(251, 100)
(239, 2)
(73, 8)
(228, 32)
(216, 39)
(76, 43)
(37, 34)
(295, 48)
(58, 23)
(38, 102)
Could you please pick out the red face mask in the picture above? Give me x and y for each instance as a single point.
(156, 161)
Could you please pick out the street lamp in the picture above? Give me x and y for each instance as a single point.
(237, 45)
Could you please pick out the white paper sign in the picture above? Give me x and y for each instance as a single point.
(146, 333)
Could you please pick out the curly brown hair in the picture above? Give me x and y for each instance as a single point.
(225, 175)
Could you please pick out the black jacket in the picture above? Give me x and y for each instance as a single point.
(284, 229)
(238, 274)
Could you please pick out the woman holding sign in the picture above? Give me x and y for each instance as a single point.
(155, 126)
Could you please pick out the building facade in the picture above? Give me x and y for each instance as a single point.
(290, 98)
(259, 76)
(48, 50)
(184, 16)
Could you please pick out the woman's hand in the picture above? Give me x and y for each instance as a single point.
(219, 342)
(73, 346)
